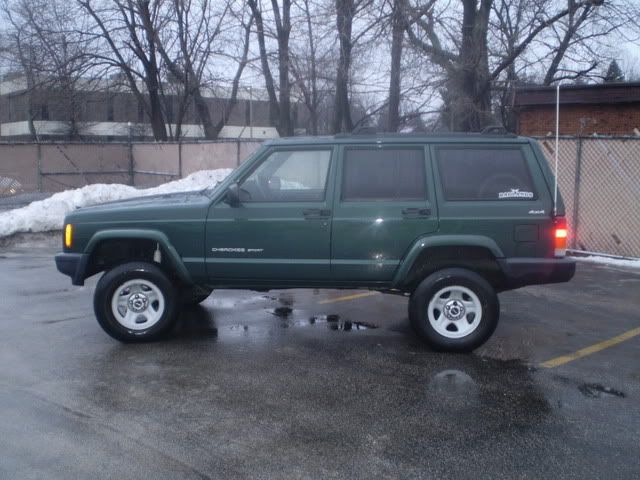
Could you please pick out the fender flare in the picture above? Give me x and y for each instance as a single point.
(429, 241)
(140, 234)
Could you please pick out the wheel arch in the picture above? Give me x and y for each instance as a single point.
(140, 239)
(428, 254)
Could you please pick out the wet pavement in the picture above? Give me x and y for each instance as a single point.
(293, 384)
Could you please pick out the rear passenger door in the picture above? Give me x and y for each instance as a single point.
(384, 201)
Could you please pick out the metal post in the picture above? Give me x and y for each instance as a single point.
(250, 111)
(555, 186)
(576, 195)
(238, 152)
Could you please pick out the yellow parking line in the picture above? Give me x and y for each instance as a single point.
(556, 362)
(347, 297)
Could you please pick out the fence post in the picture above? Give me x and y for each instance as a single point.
(130, 146)
(238, 153)
(39, 166)
(576, 194)
(179, 158)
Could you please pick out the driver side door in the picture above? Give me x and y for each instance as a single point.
(280, 231)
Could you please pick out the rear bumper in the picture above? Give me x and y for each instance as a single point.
(519, 272)
(72, 265)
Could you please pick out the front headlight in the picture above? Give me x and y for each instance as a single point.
(68, 235)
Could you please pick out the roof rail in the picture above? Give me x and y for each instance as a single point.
(364, 130)
(494, 130)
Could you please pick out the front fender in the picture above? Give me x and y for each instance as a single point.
(153, 235)
(429, 241)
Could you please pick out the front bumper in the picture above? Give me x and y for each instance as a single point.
(72, 265)
(519, 272)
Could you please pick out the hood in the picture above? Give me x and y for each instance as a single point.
(153, 207)
(153, 201)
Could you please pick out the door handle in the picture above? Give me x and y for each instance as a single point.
(416, 212)
(316, 213)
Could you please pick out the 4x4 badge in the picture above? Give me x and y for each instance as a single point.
(515, 193)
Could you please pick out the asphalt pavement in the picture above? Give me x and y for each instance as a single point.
(317, 384)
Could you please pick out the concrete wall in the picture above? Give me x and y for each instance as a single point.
(53, 167)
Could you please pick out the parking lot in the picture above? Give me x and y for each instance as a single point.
(318, 384)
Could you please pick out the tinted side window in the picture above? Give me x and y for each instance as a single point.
(384, 174)
(484, 174)
(288, 176)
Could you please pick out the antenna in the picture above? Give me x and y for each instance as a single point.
(555, 183)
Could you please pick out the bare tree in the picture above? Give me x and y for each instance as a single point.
(463, 53)
(187, 42)
(279, 102)
(53, 58)
(128, 30)
(311, 58)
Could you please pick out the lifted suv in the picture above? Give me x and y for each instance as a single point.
(447, 220)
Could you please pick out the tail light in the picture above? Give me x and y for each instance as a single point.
(560, 235)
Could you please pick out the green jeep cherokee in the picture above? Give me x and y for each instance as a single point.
(447, 220)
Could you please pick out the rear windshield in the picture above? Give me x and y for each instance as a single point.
(484, 174)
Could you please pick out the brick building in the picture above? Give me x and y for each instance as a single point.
(104, 112)
(605, 109)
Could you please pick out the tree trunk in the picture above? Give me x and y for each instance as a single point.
(285, 127)
(470, 88)
(345, 10)
(397, 38)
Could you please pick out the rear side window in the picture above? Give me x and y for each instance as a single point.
(484, 174)
(392, 174)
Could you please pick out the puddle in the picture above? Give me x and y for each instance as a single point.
(595, 390)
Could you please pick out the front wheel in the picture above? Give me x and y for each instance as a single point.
(135, 302)
(454, 310)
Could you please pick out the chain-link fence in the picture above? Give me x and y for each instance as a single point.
(599, 178)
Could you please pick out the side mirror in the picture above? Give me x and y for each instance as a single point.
(233, 195)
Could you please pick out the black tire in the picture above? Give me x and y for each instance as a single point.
(194, 296)
(434, 284)
(148, 274)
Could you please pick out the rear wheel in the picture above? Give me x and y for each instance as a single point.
(454, 310)
(135, 302)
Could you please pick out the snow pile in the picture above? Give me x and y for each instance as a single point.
(47, 215)
(612, 262)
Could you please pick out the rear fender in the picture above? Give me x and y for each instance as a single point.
(430, 241)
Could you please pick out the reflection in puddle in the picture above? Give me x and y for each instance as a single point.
(335, 323)
(282, 311)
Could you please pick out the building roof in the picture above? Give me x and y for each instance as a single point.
(601, 93)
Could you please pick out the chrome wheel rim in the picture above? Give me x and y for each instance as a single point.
(137, 304)
(455, 311)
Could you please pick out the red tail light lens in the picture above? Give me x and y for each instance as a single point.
(561, 235)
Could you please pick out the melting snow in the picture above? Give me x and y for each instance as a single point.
(612, 262)
(47, 215)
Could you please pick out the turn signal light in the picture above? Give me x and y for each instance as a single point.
(561, 234)
(68, 235)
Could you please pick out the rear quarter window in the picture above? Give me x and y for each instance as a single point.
(484, 173)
